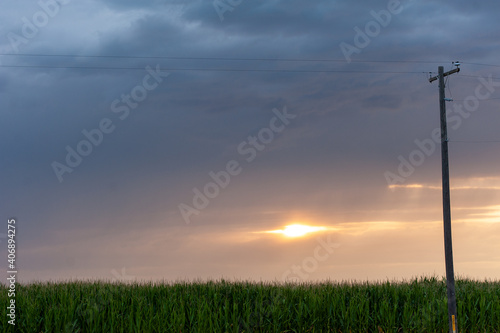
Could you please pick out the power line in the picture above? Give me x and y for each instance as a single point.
(215, 58)
(479, 64)
(41, 55)
(232, 58)
(477, 76)
(475, 141)
(486, 99)
(214, 69)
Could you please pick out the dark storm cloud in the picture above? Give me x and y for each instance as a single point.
(350, 127)
(134, 5)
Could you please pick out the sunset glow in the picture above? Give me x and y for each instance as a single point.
(297, 230)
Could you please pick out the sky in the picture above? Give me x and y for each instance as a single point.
(177, 140)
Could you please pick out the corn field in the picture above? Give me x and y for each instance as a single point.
(418, 305)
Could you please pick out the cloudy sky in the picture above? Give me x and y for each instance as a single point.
(165, 139)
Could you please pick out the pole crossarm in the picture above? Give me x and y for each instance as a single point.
(453, 71)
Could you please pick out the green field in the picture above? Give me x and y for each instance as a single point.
(414, 306)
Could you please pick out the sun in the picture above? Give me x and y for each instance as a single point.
(296, 230)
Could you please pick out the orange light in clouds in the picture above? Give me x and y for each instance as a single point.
(296, 230)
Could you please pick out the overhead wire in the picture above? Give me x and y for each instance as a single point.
(479, 64)
(486, 99)
(214, 58)
(469, 141)
(475, 141)
(447, 85)
(247, 69)
(476, 76)
(215, 69)
(233, 58)
(262, 59)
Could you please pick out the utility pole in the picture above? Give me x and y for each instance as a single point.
(448, 250)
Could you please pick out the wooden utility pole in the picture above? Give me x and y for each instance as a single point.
(448, 250)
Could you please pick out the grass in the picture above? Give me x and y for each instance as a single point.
(415, 306)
